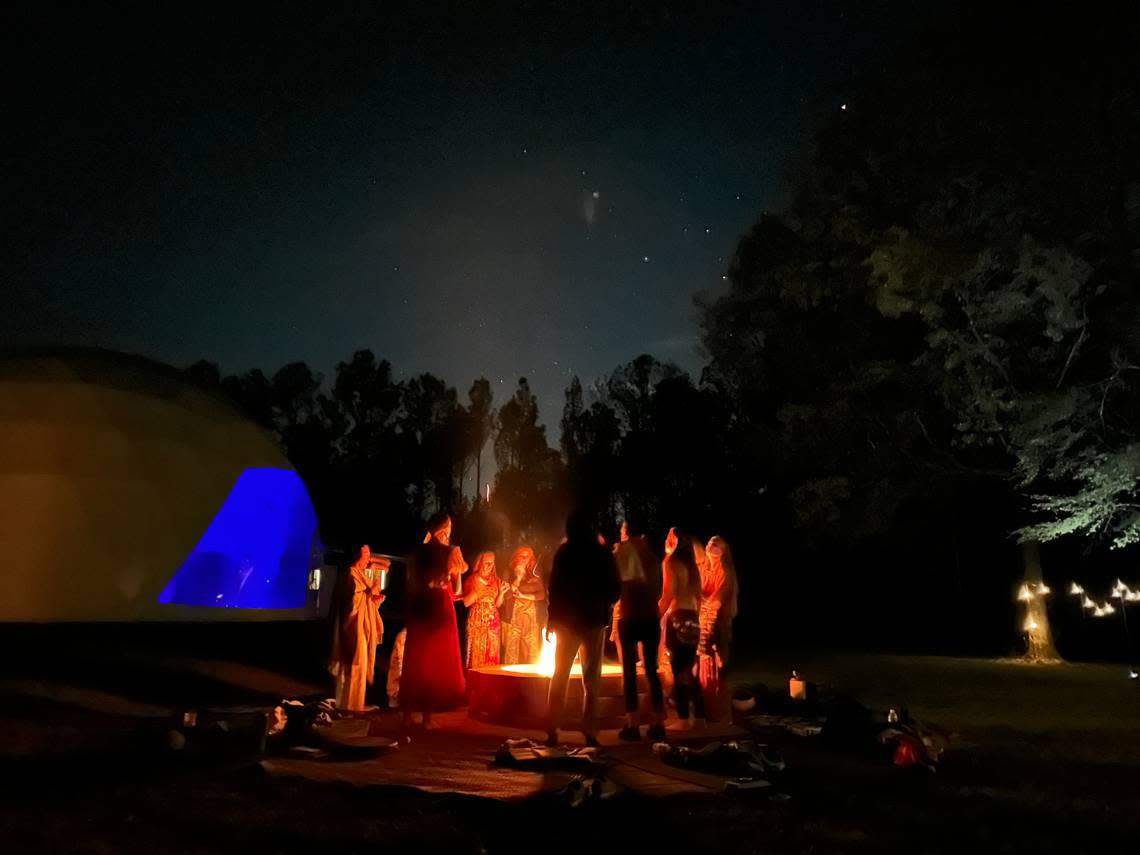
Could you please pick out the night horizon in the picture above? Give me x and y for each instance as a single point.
(485, 197)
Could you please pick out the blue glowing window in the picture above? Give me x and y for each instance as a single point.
(257, 552)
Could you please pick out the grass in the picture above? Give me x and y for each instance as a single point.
(1045, 759)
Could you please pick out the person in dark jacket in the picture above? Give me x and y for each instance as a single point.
(584, 585)
(637, 623)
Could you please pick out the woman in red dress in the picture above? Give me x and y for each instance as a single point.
(483, 593)
(432, 678)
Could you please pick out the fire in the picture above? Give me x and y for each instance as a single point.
(546, 657)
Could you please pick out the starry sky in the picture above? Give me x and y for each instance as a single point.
(499, 189)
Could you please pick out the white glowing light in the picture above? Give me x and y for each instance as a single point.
(1024, 594)
(1132, 596)
(1076, 590)
(1043, 589)
(1087, 603)
(1030, 625)
(546, 657)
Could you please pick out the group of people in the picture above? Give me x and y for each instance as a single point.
(689, 603)
(503, 625)
(683, 605)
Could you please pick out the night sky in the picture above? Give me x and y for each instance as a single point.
(524, 192)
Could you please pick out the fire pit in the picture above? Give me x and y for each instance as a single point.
(515, 695)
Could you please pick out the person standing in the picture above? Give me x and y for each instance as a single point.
(524, 641)
(483, 593)
(357, 630)
(718, 609)
(680, 604)
(584, 585)
(432, 675)
(636, 622)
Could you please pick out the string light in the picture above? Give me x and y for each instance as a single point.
(1030, 625)
(1087, 603)
(1025, 595)
(1043, 589)
(1076, 590)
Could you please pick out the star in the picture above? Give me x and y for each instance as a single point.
(645, 259)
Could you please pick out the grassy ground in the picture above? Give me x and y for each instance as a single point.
(1044, 760)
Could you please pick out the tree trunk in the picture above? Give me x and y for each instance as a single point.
(1039, 638)
(479, 467)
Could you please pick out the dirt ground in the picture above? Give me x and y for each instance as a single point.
(1044, 759)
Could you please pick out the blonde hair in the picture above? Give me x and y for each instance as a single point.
(478, 565)
(728, 565)
(726, 560)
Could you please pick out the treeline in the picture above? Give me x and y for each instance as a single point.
(380, 454)
(929, 358)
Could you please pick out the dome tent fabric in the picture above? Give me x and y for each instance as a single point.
(128, 493)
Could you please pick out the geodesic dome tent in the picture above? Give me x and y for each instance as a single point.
(127, 493)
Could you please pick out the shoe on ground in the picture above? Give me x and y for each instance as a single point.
(629, 734)
(656, 733)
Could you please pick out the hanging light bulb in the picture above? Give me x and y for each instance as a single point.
(1087, 603)
(1076, 590)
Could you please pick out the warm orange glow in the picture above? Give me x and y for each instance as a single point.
(544, 667)
(546, 657)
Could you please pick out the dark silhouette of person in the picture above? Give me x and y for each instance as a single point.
(583, 588)
(636, 621)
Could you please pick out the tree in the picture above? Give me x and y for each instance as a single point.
(481, 420)
(432, 435)
(529, 484)
(944, 290)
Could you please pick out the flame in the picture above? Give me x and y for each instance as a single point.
(546, 657)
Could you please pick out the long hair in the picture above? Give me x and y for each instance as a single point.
(531, 560)
(729, 565)
(477, 564)
(683, 562)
